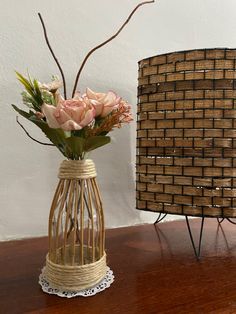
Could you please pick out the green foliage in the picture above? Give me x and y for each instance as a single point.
(78, 146)
(23, 113)
(27, 99)
(72, 147)
(95, 142)
(33, 90)
(56, 136)
(47, 97)
(75, 147)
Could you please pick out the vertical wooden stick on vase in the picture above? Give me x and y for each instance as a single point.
(76, 258)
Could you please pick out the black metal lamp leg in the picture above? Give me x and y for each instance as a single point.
(220, 221)
(230, 220)
(159, 218)
(197, 252)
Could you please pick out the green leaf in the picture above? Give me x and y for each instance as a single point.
(79, 133)
(23, 113)
(24, 81)
(72, 147)
(56, 136)
(75, 146)
(103, 133)
(38, 94)
(32, 89)
(95, 142)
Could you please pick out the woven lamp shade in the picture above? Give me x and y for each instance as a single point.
(186, 137)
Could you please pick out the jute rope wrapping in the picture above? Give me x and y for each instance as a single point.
(75, 278)
(76, 258)
(77, 169)
(186, 136)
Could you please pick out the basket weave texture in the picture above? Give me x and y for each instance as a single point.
(186, 136)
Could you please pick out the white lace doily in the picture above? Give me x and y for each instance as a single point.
(102, 285)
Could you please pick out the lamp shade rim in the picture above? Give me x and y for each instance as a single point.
(184, 51)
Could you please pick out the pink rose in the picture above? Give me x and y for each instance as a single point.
(103, 103)
(71, 114)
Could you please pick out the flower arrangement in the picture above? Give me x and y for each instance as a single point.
(81, 123)
(75, 126)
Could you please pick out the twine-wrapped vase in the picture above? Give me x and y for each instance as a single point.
(76, 258)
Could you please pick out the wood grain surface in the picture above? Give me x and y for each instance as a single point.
(155, 272)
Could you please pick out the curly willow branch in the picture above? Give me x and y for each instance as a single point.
(53, 54)
(27, 133)
(105, 42)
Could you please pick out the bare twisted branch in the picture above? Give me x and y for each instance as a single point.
(53, 54)
(105, 42)
(27, 133)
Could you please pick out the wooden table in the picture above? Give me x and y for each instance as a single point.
(155, 272)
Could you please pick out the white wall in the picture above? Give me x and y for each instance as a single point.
(28, 171)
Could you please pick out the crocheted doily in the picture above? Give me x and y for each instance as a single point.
(102, 285)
